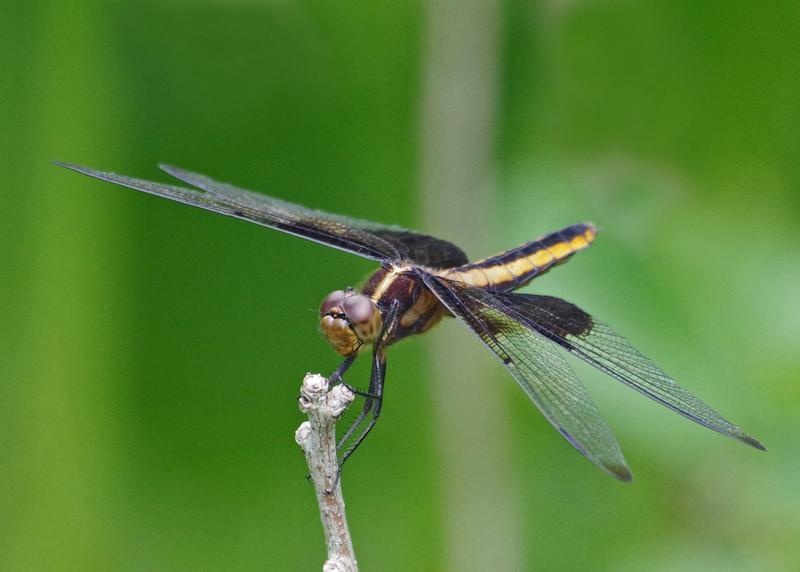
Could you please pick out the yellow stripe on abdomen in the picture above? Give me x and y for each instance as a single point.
(506, 271)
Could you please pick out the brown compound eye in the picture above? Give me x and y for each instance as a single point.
(358, 308)
(332, 300)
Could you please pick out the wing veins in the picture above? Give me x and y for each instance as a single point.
(639, 373)
(539, 369)
(382, 243)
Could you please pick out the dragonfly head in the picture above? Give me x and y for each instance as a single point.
(348, 320)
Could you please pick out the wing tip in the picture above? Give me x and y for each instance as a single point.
(753, 442)
(167, 168)
(615, 467)
(177, 172)
(619, 472)
(197, 180)
(70, 166)
(81, 169)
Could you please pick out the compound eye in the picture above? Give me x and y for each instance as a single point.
(332, 300)
(358, 308)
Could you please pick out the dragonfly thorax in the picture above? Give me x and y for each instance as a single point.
(349, 320)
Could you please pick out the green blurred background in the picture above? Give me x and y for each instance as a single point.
(152, 353)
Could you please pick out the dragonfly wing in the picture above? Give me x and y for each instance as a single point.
(371, 240)
(399, 244)
(540, 370)
(596, 343)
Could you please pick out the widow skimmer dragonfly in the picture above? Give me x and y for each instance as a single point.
(423, 279)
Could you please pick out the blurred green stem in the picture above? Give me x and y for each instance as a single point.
(458, 125)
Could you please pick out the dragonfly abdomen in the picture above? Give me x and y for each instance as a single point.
(514, 268)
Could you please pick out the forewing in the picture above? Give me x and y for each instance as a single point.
(570, 327)
(370, 240)
(539, 369)
(400, 244)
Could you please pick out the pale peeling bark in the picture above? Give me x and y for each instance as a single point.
(317, 437)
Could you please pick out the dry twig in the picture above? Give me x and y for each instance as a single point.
(317, 437)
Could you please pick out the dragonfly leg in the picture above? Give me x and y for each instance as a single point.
(370, 396)
(336, 377)
(374, 395)
(372, 407)
(375, 401)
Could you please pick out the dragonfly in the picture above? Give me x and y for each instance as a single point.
(423, 279)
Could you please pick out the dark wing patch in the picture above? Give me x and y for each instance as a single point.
(573, 322)
(370, 240)
(539, 369)
(424, 250)
(404, 245)
(596, 343)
